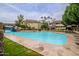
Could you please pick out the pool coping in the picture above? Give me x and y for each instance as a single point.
(48, 47)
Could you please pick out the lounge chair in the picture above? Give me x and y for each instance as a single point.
(77, 43)
(76, 40)
(76, 35)
(74, 48)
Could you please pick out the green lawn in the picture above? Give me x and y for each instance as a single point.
(14, 49)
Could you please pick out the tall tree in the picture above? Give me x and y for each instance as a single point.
(71, 15)
(19, 22)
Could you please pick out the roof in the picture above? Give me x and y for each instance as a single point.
(57, 22)
(9, 24)
(59, 25)
(31, 21)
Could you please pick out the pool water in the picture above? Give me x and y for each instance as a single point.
(46, 37)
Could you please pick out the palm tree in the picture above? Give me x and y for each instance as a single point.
(49, 17)
(44, 23)
(41, 17)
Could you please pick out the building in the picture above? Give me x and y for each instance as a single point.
(60, 27)
(33, 24)
(57, 25)
(1, 25)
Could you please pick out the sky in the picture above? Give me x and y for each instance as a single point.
(9, 12)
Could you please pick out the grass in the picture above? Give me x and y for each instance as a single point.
(14, 49)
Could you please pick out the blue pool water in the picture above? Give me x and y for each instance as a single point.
(46, 37)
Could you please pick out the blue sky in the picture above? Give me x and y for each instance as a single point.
(9, 12)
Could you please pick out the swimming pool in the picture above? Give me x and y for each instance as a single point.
(46, 37)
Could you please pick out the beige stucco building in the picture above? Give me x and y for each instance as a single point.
(1, 25)
(59, 25)
(33, 24)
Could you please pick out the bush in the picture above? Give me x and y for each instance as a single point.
(23, 26)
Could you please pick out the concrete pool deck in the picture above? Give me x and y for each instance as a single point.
(45, 48)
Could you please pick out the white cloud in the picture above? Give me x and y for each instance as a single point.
(12, 16)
